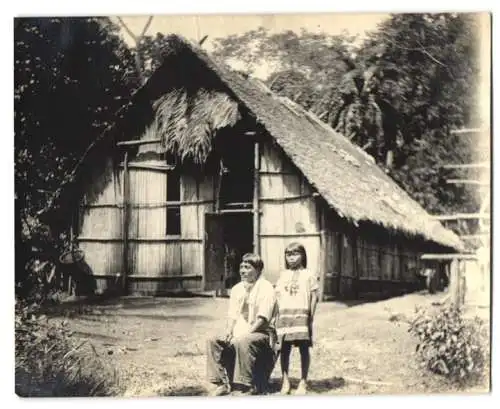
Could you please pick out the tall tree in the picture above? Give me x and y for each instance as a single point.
(437, 64)
(70, 77)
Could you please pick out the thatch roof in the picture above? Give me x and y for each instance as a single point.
(347, 178)
(343, 174)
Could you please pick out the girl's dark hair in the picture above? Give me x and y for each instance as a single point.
(254, 260)
(296, 248)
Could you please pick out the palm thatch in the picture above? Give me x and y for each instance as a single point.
(187, 124)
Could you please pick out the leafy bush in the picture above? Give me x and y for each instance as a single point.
(50, 362)
(451, 345)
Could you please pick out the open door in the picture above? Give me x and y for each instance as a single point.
(214, 251)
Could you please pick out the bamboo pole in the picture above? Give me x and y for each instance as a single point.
(148, 205)
(451, 256)
(150, 166)
(229, 211)
(356, 265)
(285, 235)
(165, 239)
(322, 256)
(125, 221)
(256, 203)
(286, 199)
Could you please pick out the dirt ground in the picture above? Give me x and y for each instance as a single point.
(158, 345)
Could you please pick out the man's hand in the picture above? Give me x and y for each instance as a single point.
(229, 336)
(229, 330)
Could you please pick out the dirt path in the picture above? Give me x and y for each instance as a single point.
(158, 345)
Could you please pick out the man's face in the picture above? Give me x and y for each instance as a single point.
(248, 272)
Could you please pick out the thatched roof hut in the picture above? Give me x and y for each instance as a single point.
(349, 180)
(191, 99)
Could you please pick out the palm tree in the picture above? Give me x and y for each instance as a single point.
(367, 115)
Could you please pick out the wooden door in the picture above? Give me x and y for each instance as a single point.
(214, 252)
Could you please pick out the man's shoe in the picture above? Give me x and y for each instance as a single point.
(221, 390)
(244, 391)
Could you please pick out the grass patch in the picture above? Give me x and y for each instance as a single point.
(50, 362)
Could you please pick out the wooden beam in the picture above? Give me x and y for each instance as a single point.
(285, 235)
(468, 166)
(286, 199)
(467, 182)
(164, 239)
(460, 216)
(154, 167)
(229, 211)
(139, 142)
(152, 278)
(256, 199)
(270, 173)
(147, 205)
(449, 256)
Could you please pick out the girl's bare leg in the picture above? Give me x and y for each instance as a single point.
(305, 360)
(285, 365)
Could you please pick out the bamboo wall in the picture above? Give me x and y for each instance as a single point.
(156, 262)
(99, 231)
(288, 213)
(358, 264)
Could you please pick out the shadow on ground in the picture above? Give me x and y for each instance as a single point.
(87, 305)
(187, 391)
(315, 386)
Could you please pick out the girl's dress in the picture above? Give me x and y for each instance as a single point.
(294, 288)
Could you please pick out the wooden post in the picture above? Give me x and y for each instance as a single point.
(217, 188)
(355, 265)
(256, 192)
(125, 212)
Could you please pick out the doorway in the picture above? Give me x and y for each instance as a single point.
(228, 236)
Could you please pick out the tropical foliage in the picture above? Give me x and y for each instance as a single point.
(398, 94)
(70, 76)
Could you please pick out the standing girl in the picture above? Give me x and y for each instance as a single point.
(297, 299)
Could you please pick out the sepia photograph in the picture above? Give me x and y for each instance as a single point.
(252, 204)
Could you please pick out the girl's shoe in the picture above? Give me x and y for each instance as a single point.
(302, 388)
(285, 388)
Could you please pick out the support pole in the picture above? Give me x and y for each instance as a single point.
(322, 256)
(256, 203)
(125, 212)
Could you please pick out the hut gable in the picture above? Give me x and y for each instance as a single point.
(342, 173)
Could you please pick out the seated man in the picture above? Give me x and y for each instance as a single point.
(243, 358)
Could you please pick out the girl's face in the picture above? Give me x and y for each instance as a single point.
(293, 259)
